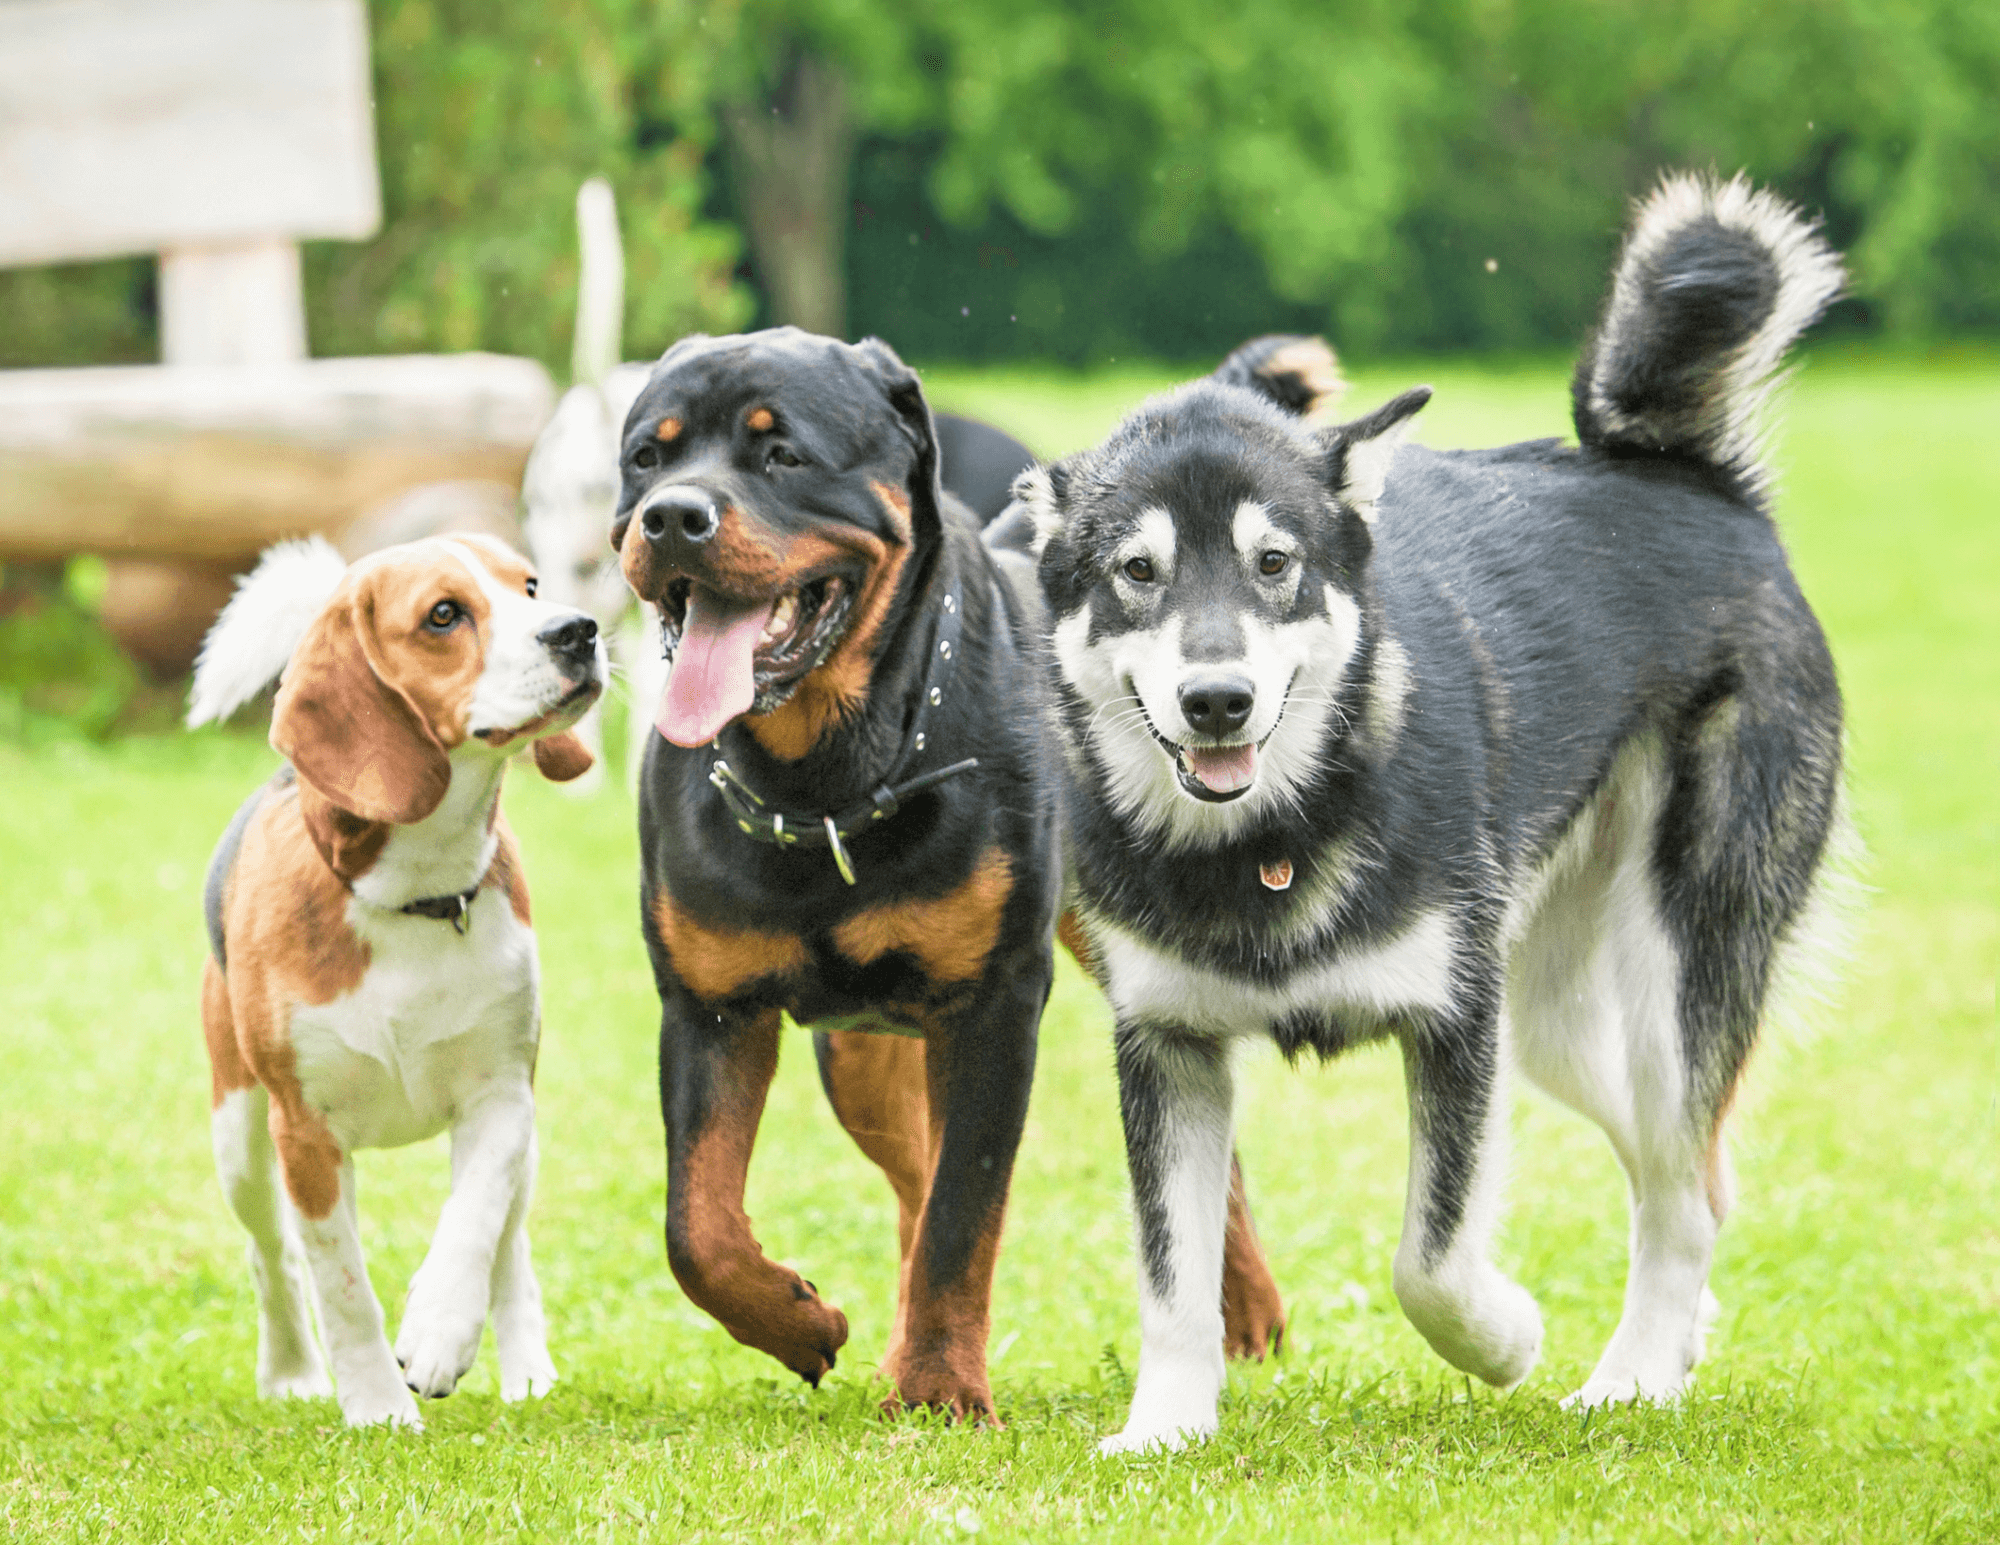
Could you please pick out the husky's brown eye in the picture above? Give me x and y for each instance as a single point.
(1139, 571)
(1273, 562)
(533, 585)
(645, 456)
(443, 615)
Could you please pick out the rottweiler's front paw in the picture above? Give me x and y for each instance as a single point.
(807, 1337)
(963, 1394)
(1253, 1325)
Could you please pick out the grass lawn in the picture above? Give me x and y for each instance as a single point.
(1852, 1390)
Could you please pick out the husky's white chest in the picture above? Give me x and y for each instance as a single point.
(1149, 985)
(438, 1017)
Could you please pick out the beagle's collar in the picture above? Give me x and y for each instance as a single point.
(453, 908)
(829, 829)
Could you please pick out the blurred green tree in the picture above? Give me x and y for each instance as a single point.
(1034, 178)
(1447, 176)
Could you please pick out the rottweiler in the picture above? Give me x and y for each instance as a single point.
(849, 815)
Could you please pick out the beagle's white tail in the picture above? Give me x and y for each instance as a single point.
(253, 639)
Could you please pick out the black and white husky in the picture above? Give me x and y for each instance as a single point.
(1527, 758)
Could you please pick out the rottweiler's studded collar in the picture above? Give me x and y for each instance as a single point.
(824, 829)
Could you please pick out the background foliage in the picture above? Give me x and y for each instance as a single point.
(1041, 179)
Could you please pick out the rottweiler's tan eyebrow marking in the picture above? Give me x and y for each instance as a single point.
(760, 419)
(669, 430)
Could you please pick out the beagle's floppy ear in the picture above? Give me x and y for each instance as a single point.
(562, 757)
(351, 734)
(906, 395)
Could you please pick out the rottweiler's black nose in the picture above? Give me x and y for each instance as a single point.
(571, 639)
(683, 514)
(1217, 704)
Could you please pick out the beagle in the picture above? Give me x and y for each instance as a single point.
(372, 977)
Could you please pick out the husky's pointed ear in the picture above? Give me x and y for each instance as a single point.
(1042, 492)
(1358, 453)
(905, 392)
(1299, 374)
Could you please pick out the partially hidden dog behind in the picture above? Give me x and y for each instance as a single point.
(848, 816)
(1528, 759)
(372, 977)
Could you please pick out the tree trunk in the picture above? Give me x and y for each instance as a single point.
(789, 158)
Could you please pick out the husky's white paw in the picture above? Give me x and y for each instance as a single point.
(437, 1350)
(1173, 1404)
(307, 1383)
(1491, 1327)
(1624, 1387)
(1138, 1438)
(526, 1374)
(379, 1402)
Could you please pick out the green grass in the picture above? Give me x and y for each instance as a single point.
(1853, 1385)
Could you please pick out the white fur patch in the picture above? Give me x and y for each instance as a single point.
(1133, 678)
(1366, 472)
(1151, 986)
(1037, 495)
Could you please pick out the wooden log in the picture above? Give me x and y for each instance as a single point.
(215, 463)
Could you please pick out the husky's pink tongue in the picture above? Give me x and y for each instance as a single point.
(712, 679)
(1225, 769)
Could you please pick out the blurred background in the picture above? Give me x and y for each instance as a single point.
(1028, 180)
(997, 185)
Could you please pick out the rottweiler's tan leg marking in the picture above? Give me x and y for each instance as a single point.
(718, 963)
(713, 1109)
(938, 1353)
(877, 1086)
(1253, 1313)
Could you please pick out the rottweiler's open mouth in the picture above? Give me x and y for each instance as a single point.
(733, 657)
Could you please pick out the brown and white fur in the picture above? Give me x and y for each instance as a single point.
(337, 1020)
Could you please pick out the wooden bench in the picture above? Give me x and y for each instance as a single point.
(216, 134)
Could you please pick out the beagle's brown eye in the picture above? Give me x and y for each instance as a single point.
(781, 456)
(441, 616)
(1273, 562)
(533, 585)
(1139, 571)
(645, 456)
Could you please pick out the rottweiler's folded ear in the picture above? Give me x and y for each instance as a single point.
(905, 394)
(1298, 373)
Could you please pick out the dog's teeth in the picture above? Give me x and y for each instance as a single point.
(781, 616)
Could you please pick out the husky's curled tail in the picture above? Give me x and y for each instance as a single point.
(1716, 281)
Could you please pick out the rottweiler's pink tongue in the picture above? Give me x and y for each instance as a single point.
(1225, 769)
(711, 681)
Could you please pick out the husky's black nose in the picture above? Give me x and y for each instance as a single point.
(572, 640)
(684, 514)
(1217, 704)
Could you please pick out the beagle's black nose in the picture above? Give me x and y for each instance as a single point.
(572, 639)
(680, 516)
(1217, 704)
